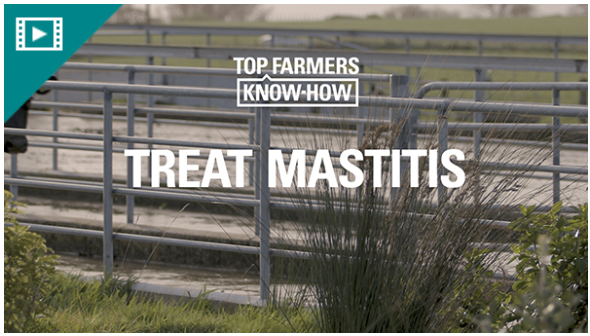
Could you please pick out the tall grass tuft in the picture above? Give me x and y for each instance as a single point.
(386, 261)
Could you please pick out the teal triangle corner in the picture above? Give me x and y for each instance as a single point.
(33, 37)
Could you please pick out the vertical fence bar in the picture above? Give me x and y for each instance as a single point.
(272, 41)
(264, 205)
(55, 128)
(89, 72)
(257, 117)
(130, 200)
(392, 89)
(150, 116)
(556, 55)
(399, 87)
(360, 111)
(443, 143)
(164, 43)
(480, 47)
(310, 42)
(338, 46)
(478, 118)
(107, 196)
(208, 42)
(251, 141)
(408, 51)
(556, 137)
(14, 174)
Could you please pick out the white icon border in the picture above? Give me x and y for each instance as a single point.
(57, 33)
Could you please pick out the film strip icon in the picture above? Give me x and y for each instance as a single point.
(39, 33)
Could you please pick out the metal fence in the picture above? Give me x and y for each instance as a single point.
(123, 29)
(259, 126)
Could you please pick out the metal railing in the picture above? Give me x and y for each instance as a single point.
(365, 58)
(261, 122)
(120, 29)
(395, 89)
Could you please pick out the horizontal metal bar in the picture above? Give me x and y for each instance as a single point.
(145, 239)
(183, 143)
(567, 146)
(306, 118)
(240, 201)
(508, 86)
(24, 131)
(155, 110)
(140, 89)
(196, 113)
(25, 182)
(21, 131)
(184, 30)
(143, 192)
(366, 58)
(76, 106)
(431, 104)
(193, 243)
(205, 71)
(541, 168)
(294, 204)
(468, 126)
(71, 146)
(536, 176)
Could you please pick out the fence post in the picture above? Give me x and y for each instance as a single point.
(251, 141)
(442, 128)
(399, 87)
(360, 111)
(310, 42)
(55, 128)
(257, 117)
(150, 116)
(107, 194)
(264, 206)
(478, 118)
(583, 100)
(14, 174)
(556, 137)
(130, 132)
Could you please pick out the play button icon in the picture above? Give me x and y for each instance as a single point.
(37, 34)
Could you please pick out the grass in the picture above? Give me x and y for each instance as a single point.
(109, 306)
(380, 264)
(552, 26)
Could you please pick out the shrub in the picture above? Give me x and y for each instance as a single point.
(551, 290)
(556, 289)
(27, 267)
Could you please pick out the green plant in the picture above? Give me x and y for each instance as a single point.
(27, 266)
(11, 207)
(551, 290)
(109, 306)
(552, 271)
(395, 260)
